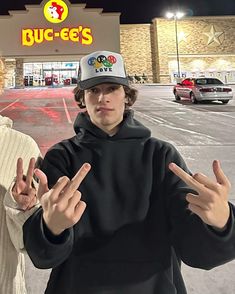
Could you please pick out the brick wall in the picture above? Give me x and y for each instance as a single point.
(135, 44)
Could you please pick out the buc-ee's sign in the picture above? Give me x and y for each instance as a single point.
(56, 12)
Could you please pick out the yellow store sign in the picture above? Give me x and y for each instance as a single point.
(56, 12)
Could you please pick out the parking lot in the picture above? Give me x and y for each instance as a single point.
(201, 132)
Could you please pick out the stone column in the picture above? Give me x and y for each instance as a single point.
(155, 53)
(10, 65)
(19, 73)
(2, 75)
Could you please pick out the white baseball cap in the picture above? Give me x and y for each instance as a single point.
(101, 67)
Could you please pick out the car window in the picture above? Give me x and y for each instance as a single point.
(187, 82)
(211, 81)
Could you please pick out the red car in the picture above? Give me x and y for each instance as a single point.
(203, 89)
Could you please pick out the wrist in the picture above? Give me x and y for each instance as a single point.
(54, 230)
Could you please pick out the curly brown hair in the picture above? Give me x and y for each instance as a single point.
(131, 94)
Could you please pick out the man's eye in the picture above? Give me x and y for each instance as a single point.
(113, 88)
(93, 90)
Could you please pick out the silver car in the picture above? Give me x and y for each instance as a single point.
(203, 89)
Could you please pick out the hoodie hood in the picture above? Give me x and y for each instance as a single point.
(129, 128)
(5, 122)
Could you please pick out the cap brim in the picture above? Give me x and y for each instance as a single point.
(89, 83)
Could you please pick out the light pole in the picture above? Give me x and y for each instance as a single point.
(176, 15)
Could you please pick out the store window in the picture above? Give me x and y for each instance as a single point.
(50, 74)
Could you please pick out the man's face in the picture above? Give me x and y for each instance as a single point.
(105, 104)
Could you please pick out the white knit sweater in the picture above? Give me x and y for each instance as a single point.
(13, 145)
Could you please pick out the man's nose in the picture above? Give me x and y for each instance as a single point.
(103, 97)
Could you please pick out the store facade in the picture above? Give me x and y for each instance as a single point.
(47, 40)
(206, 48)
(44, 43)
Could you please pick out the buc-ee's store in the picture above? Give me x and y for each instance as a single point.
(42, 45)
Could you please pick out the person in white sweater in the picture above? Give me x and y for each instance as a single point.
(17, 202)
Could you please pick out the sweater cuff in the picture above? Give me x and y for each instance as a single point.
(9, 200)
(55, 239)
(228, 227)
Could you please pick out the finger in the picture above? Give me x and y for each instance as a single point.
(59, 188)
(219, 174)
(77, 180)
(43, 183)
(30, 172)
(197, 200)
(74, 200)
(19, 173)
(188, 179)
(79, 210)
(81, 174)
(204, 180)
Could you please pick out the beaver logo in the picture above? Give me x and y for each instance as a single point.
(55, 11)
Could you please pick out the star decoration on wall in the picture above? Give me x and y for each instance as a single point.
(213, 36)
(182, 37)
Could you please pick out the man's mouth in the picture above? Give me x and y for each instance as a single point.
(104, 109)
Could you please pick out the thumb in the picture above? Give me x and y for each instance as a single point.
(43, 184)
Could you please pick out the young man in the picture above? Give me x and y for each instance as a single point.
(17, 203)
(123, 222)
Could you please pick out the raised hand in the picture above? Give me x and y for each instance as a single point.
(23, 192)
(211, 203)
(62, 205)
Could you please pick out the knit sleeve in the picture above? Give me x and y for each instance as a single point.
(19, 145)
(15, 218)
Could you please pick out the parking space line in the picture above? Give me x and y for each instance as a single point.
(67, 112)
(149, 118)
(9, 105)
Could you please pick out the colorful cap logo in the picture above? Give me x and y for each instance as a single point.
(56, 11)
(101, 67)
(102, 60)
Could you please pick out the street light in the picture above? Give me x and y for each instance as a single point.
(176, 15)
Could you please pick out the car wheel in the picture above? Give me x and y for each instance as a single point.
(177, 97)
(224, 101)
(193, 98)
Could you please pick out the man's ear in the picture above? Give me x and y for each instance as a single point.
(126, 100)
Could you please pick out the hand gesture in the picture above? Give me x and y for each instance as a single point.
(62, 205)
(211, 203)
(23, 192)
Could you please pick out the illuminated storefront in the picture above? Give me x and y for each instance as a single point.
(40, 74)
(48, 40)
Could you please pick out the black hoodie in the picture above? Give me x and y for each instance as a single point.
(135, 221)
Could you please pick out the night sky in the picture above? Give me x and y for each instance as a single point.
(136, 11)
